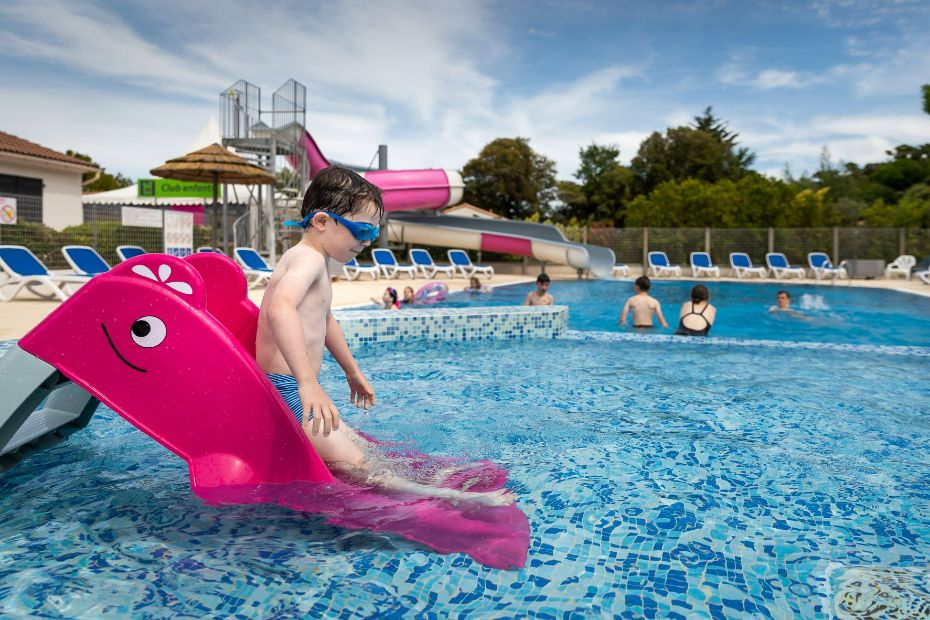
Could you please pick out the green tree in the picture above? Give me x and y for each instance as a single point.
(511, 179)
(603, 189)
(926, 92)
(106, 181)
(912, 211)
(740, 158)
(681, 153)
(808, 209)
(752, 201)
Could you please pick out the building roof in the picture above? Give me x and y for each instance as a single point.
(468, 210)
(13, 144)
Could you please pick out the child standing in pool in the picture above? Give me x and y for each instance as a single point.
(341, 212)
(541, 296)
(642, 305)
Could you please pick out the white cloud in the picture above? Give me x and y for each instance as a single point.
(737, 72)
(857, 139)
(95, 42)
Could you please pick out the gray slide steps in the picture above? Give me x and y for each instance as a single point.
(39, 406)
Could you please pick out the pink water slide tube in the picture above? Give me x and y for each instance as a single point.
(403, 190)
(169, 345)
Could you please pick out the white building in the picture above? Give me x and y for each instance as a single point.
(45, 183)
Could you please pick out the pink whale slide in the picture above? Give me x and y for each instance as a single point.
(168, 344)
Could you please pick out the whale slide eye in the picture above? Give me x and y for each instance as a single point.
(149, 331)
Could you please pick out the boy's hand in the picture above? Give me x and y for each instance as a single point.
(360, 392)
(316, 401)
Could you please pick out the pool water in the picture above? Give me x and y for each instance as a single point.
(828, 313)
(662, 477)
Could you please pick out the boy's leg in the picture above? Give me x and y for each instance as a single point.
(341, 447)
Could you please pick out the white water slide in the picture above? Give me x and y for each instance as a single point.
(540, 241)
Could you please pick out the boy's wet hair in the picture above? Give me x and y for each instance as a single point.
(341, 191)
(785, 293)
(699, 293)
(542, 278)
(643, 283)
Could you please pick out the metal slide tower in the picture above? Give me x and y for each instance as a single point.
(264, 135)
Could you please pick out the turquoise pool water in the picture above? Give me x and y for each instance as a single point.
(837, 313)
(662, 478)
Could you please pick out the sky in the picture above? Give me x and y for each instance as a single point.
(132, 83)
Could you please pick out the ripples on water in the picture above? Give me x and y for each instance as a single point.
(659, 478)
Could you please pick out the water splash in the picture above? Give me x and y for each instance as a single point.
(813, 302)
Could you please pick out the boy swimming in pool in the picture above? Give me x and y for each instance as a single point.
(341, 212)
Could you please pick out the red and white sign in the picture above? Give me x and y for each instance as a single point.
(7, 210)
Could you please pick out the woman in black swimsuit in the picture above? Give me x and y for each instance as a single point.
(698, 315)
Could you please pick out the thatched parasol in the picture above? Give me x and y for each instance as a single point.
(214, 164)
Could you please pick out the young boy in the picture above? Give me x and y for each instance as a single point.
(642, 305)
(541, 296)
(341, 212)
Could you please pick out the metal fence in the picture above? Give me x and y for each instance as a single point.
(630, 245)
(102, 230)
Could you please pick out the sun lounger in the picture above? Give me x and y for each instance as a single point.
(422, 260)
(253, 265)
(821, 266)
(387, 263)
(207, 248)
(923, 275)
(621, 271)
(901, 265)
(85, 260)
(781, 268)
(21, 269)
(659, 266)
(741, 265)
(125, 252)
(461, 261)
(701, 265)
(353, 269)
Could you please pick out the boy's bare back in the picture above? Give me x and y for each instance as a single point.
(643, 307)
(300, 280)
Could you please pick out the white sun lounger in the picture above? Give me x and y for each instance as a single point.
(821, 266)
(85, 260)
(701, 265)
(21, 269)
(461, 262)
(422, 260)
(125, 252)
(781, 268)
(387, 263)
(253, 265)
(741, 266)
(353, 269)
(659, 265)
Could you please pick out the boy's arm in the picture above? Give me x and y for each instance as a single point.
(662, 321)
(360, 392)
(526, 301)
(626, 310)
(287, 330)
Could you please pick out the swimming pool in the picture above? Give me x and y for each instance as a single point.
(837, 313)
(662, 477)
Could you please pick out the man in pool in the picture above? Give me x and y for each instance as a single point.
(642, 305)
(541, 296)
(341, 211)
(783, 305)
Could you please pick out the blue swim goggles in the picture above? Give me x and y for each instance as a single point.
(362, 231)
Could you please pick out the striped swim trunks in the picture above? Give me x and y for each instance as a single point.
(287, 387)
